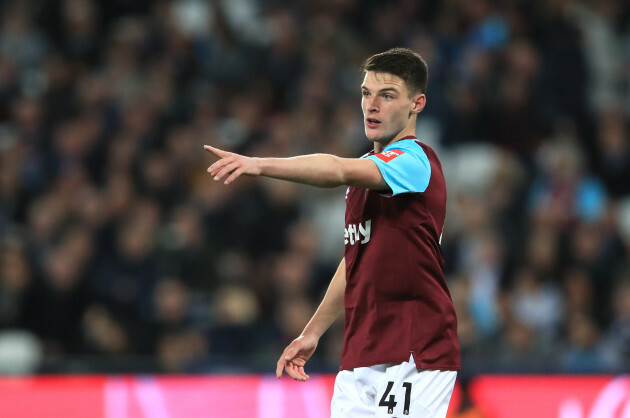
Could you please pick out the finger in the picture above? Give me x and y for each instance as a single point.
(216, 151)
(282, 363)
(234, 175)
(300, 371)
(226, 170)
(297, 372)
(292, 371)
(303, 373)
(298, 361)
(279, 368)
(218, 165)
(288, 367)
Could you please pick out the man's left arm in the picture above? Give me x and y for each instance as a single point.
(321, 170)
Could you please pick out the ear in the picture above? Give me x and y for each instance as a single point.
(419, 101)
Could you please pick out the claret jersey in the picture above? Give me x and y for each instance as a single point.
(396, 299)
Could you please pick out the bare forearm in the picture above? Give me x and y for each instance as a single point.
(321, 170)
(332, 305)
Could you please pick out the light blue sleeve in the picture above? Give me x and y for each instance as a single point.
(404, 166)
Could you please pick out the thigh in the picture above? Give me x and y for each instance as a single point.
(406, 392)
(352, 397)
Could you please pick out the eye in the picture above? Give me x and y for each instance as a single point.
(365, 93)
(388, 96)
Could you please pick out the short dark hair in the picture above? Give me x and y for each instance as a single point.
(404, 63)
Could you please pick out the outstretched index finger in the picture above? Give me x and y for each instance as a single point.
(216, 151)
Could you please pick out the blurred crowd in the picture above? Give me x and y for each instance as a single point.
(119, 253)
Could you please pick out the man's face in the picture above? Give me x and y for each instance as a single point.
(387, 107)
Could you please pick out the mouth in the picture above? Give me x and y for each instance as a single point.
(372, 123)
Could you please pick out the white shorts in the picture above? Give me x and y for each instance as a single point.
(396, 390)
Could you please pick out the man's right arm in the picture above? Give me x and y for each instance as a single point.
(301, 349)
(320, 170)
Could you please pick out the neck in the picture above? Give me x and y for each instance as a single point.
(406, 133)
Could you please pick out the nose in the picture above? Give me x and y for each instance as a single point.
(372, 105)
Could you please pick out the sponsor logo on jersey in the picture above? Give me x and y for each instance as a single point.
(357, 233)
(387, 156)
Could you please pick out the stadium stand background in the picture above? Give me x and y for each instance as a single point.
(119, 254)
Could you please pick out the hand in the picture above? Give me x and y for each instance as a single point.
(232, 164)
(295, 356)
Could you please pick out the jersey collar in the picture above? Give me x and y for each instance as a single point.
(401, 139)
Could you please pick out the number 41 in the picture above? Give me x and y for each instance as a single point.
(391, 402)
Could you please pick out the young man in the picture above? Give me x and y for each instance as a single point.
(401, 351)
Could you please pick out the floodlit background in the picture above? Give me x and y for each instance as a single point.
(119, 254)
